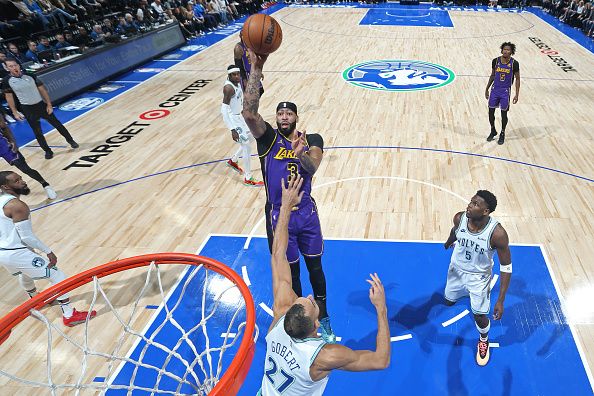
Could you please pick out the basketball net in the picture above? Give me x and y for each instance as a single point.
(189, 362)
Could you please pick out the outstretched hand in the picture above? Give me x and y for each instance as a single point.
(257, 60)
(290, 194)
(298, 144)
(377, 295)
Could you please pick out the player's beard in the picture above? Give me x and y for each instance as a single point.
(287, 131)
(22, 191)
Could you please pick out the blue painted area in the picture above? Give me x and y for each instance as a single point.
(537, 353)
(407, 16)
(99, 379)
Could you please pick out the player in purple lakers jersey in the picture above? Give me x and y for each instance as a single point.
(505, 70)
(9, 151)
(286, 152)
(242, 61)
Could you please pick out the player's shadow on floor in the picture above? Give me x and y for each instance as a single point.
(73, 190)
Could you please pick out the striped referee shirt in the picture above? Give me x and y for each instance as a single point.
(24, 87)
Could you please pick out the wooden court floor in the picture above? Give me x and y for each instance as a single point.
(378, 180)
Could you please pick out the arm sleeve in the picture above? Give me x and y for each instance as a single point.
(25, 231)
(266, 141)
(226, 112)
(494, 63)
(516, 66)
(315, 140)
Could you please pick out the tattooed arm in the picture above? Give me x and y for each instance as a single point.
(251, 96)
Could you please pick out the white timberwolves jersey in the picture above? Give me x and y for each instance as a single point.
(473, 252)
(236, 102)
(286, 370)
(9, 237)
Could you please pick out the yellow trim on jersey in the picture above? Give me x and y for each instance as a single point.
(269, 148)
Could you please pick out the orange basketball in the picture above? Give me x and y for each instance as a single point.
(262, 34)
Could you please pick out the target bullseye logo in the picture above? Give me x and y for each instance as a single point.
(154, 114)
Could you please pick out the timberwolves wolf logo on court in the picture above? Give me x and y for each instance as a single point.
(398, 75)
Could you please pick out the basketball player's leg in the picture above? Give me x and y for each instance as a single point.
(21, 164)
(30, 266)
(455, 288)
(504, 109)
(269, 228)
(479, 287)
(311, 246)
(245, 140)
(493, 104)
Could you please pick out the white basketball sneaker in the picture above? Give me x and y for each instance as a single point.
(51, 194)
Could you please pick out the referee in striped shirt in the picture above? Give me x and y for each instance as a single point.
(35, 104)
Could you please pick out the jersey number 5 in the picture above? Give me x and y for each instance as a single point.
(271, 372)
(293, 169)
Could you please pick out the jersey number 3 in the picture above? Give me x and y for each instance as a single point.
(271, 374)
(293, 169)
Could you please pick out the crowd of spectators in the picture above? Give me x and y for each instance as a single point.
(579, 14)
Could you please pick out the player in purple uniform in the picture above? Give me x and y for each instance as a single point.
(285, 152)
(242, 61)
(10, 152)
(505, 70)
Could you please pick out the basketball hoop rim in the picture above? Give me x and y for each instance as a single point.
(233, 377)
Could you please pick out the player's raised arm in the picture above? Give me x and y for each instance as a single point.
(500, 241)
(251, 96)
(282, 289)
(452, 237)
(336, 356)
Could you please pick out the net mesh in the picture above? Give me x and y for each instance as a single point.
(183, 347)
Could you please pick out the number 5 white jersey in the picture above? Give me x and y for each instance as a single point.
(472, 252)
(286, 370)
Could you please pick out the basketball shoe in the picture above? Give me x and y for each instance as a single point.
(482, 352)
(501, 138)
(233, 165)
(78, 317)
(326, 330)
(492, 135)
(253, 182)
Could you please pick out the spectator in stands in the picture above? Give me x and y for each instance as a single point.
(92, 8)
(3, 68)
(69, 37)
(14, 23)
(31, 54)
(97, 34)
(187, 19)
(82, 40)
(126, 26)
(584, 16)
(40, 21)
(210, 10)
(200, 14)
(62, 43)
(108, 27)
(53, 12)
(79, 8)
(79, 11)
(144, 14)
(16, 54)
(588, 24)
(157, 10)
(44, 44)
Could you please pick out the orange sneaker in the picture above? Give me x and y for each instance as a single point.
(253, 182)
(235, 167)
(482, 353)
(78, 317)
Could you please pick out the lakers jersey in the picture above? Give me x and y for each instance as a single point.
(473, 252)
(504, 73)
(286, 369)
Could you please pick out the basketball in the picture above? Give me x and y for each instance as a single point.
(262, 34)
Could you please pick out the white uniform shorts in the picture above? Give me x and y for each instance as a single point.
(244, 132)
(25, 261)
(477, 286)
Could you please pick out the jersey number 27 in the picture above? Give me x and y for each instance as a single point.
(271, 373)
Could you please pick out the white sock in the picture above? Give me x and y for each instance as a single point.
(246, 153)
(67, 309)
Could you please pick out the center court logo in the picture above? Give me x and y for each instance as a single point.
(398, 75)
(81, 104)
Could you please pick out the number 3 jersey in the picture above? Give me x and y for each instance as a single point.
(278, 162)
(286, 370)
(472, 251)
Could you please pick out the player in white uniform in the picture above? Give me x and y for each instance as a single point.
(477, 235)
(231, 111)
(18, 244)
(298, 362)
